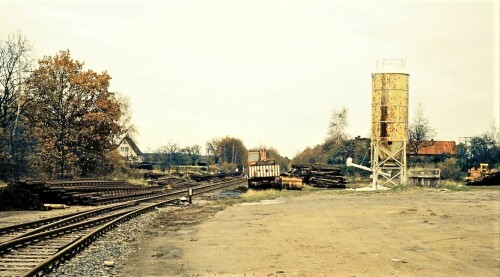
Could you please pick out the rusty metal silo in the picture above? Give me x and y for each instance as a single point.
(389, 126)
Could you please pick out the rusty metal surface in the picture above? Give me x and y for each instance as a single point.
(438, 148)
(291, 182)
(390, 106)
(389, 126)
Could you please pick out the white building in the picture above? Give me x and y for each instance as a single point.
(128, 149)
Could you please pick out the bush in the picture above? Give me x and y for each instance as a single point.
(450, 169)
(228, 167)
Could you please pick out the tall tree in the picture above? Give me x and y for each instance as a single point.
(484, 149)
(168, 156)
(337, 146)
(15, 66)
(233, 151)
(420, 132)
(213, 151)
(227, 150)
(126, 119)
(15, 143)
(74, 116)
(337, 126)
(192, 153)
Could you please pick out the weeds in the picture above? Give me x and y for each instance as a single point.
(134, 181)
(400, 188)
(445, 184)
(258, 195)
(453, 185)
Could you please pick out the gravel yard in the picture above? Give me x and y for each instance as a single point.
(421, 232)
(325, 233)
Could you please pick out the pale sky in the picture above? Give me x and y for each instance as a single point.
(271, 72)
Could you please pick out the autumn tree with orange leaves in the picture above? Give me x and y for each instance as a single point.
(74, 116)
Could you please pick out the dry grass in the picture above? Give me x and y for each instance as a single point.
(257, 195)
(137, 182)
(453, 185)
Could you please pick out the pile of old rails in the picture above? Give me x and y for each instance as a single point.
(154, 176)
(172, 182)
(191, 179)
(89, 192)
(213, 177)
(324, 176)
(38, 253)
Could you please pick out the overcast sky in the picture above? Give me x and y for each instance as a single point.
(271, 72)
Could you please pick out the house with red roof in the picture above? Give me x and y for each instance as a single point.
(435, 148)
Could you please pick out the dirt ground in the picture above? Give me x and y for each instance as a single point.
(328, 233)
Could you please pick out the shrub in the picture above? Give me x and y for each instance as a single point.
(450, 169)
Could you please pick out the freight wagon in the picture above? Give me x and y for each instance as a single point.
(262, 173)
(266, 175)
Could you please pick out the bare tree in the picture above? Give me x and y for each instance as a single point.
(192, 153)
(125, 122)
(420, 132)
(213, 149)
(15, 66)
(494, 132)
(227, 150)
(168, 156)
(337, 126)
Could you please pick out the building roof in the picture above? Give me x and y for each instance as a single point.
(438, 148)
(132, 144)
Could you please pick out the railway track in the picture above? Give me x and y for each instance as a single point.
(32, 250)
(89, 192)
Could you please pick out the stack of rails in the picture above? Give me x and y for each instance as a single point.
(213, 177)
(320, 175)
(173, 182)
(90, 192)
(153, 175)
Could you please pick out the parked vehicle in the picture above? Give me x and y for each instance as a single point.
(482, 176)
(262, 173)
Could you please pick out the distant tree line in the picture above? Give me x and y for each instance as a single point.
(226, 154)
(483, 148)
(57, 119)
(172, 155)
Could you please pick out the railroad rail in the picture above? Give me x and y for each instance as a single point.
(44, 246)
(88, 192)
